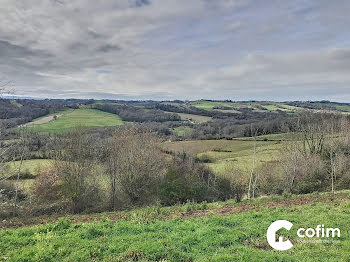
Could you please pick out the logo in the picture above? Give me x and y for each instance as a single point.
(271, 235)
(320, 232)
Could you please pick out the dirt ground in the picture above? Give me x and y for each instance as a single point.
(42, 120)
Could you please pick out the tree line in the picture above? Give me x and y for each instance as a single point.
(137, 114)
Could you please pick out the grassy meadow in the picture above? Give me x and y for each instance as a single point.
(221, 231)
(194, 118)
(220, 154)
(209, 105)
(182, 131)
(255, 106)
(82, 117)
(29, 169)
(29, 166)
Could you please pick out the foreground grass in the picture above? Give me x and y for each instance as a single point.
(193, 232)
(83, 117)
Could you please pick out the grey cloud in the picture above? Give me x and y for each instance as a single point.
(142, 2)
(94, 34)
(8, 50)
(108, 48)
(176, 48)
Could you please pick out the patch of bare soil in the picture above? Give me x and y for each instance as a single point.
(43, 120)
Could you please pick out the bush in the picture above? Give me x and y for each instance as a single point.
(233, 184)
(205, 158)
(22, 175)
(8, 192)
(179, 187)
(186, 180)
(46, 186)
(271, 180)
(313, 175)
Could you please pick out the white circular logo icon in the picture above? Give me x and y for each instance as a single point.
(271, 235)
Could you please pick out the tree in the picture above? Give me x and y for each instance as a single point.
(3, 150)
(23, 146)
(5, 86)
(253, 174)
(136, 163)
(6, 151)
(337, 147)
(290, 161)
(237, 182)
(75, 165)
(111, 151)
(312, 129)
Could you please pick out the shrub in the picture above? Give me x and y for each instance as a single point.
(186, 180)
(46, 186)
(8, 191)
(22, 175)
(233, 184)
(205, 158)
(271, 179)
(312, 175)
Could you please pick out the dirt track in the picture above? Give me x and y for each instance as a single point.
(43, 120)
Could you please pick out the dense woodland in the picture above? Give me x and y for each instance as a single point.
(137, 114)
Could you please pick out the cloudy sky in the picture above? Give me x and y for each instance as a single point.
(177, 49)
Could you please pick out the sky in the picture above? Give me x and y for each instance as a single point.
(177, 49)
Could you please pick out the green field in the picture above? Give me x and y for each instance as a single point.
(256, 106)
(82, 117)
(209, 105)
(233, 111)
(14, 102)
(269, 137)
(224, 231)
(344, 108)
(63, 112)
(233, 153)
(30, 166)
(182, 131)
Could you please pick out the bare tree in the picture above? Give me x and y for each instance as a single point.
(312, 129)
(337, 146)
(3, 150)
(23, 152)
(137, 163)
(290, 161)
(112, 151)
(253, 175)
(5, 86)
(6, 150)
(76, 168)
